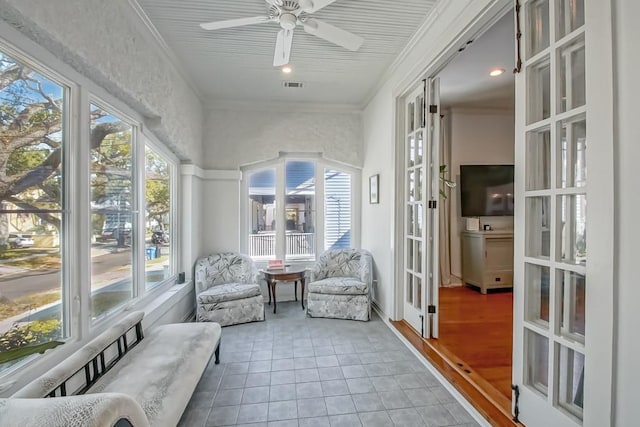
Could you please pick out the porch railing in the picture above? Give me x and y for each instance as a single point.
(299, 245)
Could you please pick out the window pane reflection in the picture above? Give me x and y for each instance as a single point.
(157, 219)
(537, 226)
(573, 217)
(32, 170)
(337, 216)
(111, 211)
(262, 208)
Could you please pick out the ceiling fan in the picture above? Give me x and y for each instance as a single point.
(288, 14)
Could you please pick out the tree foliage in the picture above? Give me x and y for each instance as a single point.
(32, 110)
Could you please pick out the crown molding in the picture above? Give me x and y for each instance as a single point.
(281, 106)
(163, 47)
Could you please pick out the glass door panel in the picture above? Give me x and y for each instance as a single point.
(572, 300)
(570, 16)
(550, 324)
(414, 210)
(573, 228)
(537, 362)
(537, 223)
(537, 288)
(573, 153)
(538, 167)
(571, 81)
(537, 27)
(570, 384)
(539, 91)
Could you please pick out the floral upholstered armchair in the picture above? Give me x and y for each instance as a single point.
(340, 285)
(227, 291)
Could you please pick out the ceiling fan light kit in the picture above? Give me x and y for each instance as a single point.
(288, 14)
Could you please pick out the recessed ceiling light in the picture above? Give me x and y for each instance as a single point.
(496, 72)
(287, 69)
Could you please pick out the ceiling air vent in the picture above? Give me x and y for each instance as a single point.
(297, 85)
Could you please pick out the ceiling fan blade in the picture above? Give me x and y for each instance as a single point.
(311, 6)
(333, 34)
(283, 48)
(217, 25)
(274, 2)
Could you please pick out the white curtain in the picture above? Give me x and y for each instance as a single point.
(445, 208)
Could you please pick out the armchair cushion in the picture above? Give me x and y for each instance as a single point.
(228, 292)
(339, 286)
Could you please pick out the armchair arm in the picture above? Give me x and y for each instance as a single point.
(87, 410)
(366, 268)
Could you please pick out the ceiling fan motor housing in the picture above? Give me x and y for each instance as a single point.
(288, 21)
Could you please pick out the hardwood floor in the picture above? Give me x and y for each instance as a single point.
(478, 329)
(474, 349)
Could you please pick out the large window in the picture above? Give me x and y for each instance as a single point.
(86, 209)
(290, 216)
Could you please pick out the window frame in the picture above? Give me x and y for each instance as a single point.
(279, 164)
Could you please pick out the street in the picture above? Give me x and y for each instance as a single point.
(32, 282)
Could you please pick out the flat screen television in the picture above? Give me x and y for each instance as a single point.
(486, 190)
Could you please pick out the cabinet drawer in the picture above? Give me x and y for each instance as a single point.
(498, 278)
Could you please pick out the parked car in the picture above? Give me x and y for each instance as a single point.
(20, 240)
(159, 237)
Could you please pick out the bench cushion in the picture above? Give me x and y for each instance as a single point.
(162, 371)
(228, 292)
(339, 286)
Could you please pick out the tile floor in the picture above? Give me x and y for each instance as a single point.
(296, 371)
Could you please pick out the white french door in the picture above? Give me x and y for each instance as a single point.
(560, 269)
(421, 192)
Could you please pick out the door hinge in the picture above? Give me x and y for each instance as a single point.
(516, 409)
(421, 325)
(431, 309)
(433, 204)
(433, 109)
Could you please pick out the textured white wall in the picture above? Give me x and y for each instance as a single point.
(627, 236)
(241, 136)
(221, 214)
(477, 138)
(103, 40)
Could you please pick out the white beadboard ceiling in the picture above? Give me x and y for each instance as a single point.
(236, 64)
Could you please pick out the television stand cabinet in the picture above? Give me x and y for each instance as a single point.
(487, 259)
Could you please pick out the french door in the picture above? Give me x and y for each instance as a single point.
(421, 192)
(563, 267)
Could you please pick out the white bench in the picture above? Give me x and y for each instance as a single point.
(120, 378)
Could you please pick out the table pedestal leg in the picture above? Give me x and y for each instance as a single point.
(273, 291)
(269, 290)
(295, 289)
(302, 295)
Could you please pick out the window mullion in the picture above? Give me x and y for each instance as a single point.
(320, 208)
(138, 209)
(79, 236)
(281, 211)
